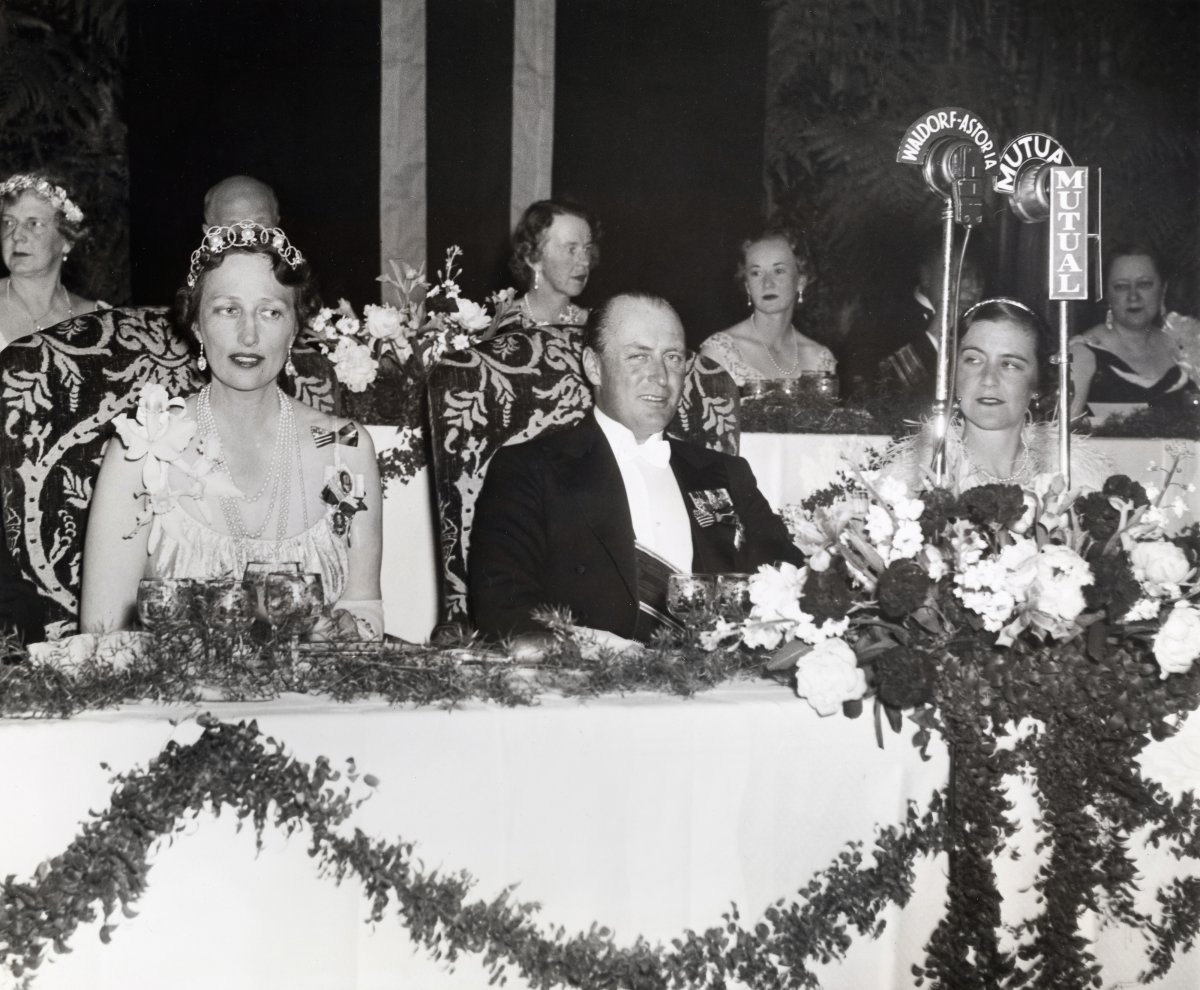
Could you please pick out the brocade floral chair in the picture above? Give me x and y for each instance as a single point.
(509, 390)
(59, 391)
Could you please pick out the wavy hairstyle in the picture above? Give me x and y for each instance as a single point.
(530, 232)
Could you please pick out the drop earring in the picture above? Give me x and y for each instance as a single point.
(1108, 318)
(289, 365)
(537, 280)
(202, 364)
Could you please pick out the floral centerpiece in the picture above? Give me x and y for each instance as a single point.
(1042, 632)
(383, 358)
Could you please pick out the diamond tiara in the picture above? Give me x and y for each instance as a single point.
(244, 233)
(56, 195)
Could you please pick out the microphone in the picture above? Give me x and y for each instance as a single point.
(954, 170)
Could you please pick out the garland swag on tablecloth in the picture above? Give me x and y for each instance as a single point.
(232, 767)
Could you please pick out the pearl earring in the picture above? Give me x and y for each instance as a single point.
(1108, 318)
(290, 366)
(537, 280)
(203, 362)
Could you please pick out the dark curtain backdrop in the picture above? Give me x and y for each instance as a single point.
(284, 90)
(658, 129)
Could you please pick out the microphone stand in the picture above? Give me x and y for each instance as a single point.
(1064, 397)
(941, 392)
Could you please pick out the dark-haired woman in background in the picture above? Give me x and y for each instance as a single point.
(39, 226)
(992, 439)
(554, 248)
(1140, 353)
(774, 271)
(316, 496)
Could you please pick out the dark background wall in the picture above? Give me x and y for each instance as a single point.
(658, 130)
(284, 90)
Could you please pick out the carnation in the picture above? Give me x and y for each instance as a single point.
(356, 368)
(1123, 487)
(903, 588)
(1098, 516)
(1177, 643)
(1061, 575)
(829, 675)
(1115, 589)
(992, 505)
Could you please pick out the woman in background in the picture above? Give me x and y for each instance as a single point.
(1002, 360)
(554, 251)
(39, 226)
(1140, 353)
(774, 271)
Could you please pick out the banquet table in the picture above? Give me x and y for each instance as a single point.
(787, 466)
(646, 813)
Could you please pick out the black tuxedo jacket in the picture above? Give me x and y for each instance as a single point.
(552, 527)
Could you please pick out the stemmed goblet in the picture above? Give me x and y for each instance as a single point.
(690, 598)
(163, 603)
(228, 612)
(732, 602)
(293, 604)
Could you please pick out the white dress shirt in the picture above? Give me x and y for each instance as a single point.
(660, 518)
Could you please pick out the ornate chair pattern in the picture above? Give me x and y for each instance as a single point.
(59, 391)
(514, 387)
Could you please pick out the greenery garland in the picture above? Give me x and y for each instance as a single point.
(232, 766)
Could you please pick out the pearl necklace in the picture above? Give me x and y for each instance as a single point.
(788, 373)
(37, 324)
(569, 315)
(1021, 464)
(278, 478)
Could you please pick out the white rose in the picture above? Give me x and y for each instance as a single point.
(472, 316)
(828, 675)
(383, 322)
(1177, 643)
(355, 366)
(1159, 562)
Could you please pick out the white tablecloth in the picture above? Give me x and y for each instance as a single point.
(648, 814)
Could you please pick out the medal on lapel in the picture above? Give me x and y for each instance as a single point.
(711, 506)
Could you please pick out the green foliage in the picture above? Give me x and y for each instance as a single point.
(232, 767)
(1115, 82)
(61, 77)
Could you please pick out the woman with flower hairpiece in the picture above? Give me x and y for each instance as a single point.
(1141, 353)
(992, 439)
(554, 251)
(39, 227)
(238, 472)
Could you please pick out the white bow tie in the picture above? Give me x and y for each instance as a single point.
(656, 451)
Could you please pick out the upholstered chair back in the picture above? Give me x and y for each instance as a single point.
(60, 389)
(509, 390)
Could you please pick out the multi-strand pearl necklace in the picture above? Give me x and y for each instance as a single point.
(1020, 466)
(277, 483)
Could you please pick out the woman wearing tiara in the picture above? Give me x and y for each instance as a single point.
(238, 472)
(992, 438)
(39, 227)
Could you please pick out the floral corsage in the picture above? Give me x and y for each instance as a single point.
(345, 494)
(158, 433)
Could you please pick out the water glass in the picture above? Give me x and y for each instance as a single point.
(163, 602)
(690, 598)
(732, 601)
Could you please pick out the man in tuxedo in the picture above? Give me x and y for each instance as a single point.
(593, 518)
(914, 364)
